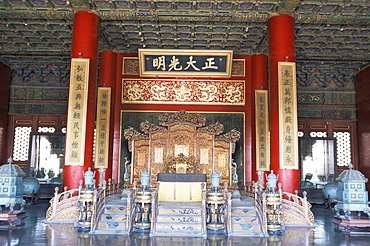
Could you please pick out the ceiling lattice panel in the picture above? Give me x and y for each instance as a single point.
(332, 33)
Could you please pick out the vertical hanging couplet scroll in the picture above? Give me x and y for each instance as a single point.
(77, 110)
(288, 115)
(102, 127)
(262, 130)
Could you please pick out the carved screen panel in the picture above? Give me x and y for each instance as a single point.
(223, 160)
(181, 140)
(158, 151)
(151, 139)
(204, 151)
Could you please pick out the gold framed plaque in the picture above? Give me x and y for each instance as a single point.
(185, 63)
(102, 127)
(288, 122)
(77, 110)
(262, 130)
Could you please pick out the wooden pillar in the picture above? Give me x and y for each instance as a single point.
(108, 63)
(259, 82)
(281, 48)
(85, 38)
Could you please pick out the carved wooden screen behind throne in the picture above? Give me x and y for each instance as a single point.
(183, 144)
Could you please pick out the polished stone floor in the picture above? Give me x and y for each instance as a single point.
(36, 232)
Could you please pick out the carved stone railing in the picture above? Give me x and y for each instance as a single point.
(297, 210)
(204, 212)
(63, 207)
(228, 228)
(131, 199)
(154, 214)
(99, 206)
(99, 201)
(260, 204)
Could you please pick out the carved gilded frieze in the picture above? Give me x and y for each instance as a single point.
(231, 136)
(215, 129)
(130, 66)
(180, 118)
(224, 92)
(132, 134)
(148, 127)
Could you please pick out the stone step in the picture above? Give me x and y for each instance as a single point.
(245, 226)
(115, 208)
(248, 234)
(114, 216)
(184, 234)
(179, 211)
(110, 231)
(244, 219)
(178, 226)
(179, 219)
(112, 224)
(243, 211)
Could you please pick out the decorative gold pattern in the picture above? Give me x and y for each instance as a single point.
(77, 107)
(130, 66)
(182, 164)
(288, 115)
(238, 67)
(181, 117)
(225, 92)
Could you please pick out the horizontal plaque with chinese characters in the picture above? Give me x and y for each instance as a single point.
(193, 63)
(77, 109)
(288, 125)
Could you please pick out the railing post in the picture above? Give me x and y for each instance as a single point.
(305, 205)
(203, 213)
(55, 201)
(154, 211)
(109, 186)
(228, 217)
(128, 224)
(264, 211)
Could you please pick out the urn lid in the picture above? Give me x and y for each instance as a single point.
(352, 176)
(89, 173)
(216, 175)
(145, 174)
(11, 170)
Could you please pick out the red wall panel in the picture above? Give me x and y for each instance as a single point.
(363, 124)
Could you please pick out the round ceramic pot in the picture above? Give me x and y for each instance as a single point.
(330, 190)
(30, 185)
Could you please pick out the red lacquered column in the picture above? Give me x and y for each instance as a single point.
(108, 63)
(85, 39)
(281, 48)
(259, 82)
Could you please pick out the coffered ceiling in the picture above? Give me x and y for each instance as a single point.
(328, 33)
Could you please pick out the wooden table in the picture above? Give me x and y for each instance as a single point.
(352, 226)
(14, 218)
